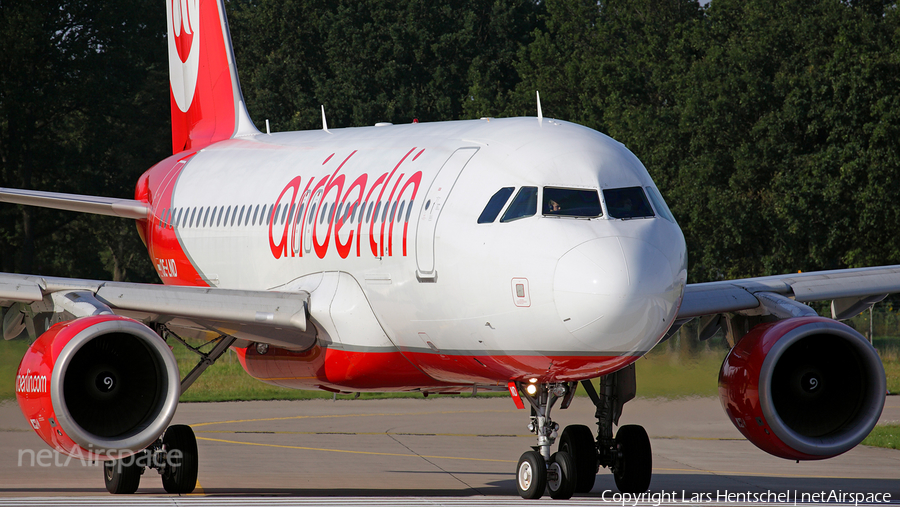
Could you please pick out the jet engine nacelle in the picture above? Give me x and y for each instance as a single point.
(803, 388)
(101, 387)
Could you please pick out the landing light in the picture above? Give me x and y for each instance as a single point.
(531, 389)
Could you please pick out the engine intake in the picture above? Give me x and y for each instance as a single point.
(100, 387)
(803, 388)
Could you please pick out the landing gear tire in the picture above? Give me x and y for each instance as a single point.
(561, 476)
(635, 464)
(578, 441)
(179, 476)
(122, 476)
(531, 475)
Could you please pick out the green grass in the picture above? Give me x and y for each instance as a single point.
(890, 358)
(11, 353)
(884, 436)
(673, 375)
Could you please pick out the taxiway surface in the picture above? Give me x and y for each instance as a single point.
(437, 448)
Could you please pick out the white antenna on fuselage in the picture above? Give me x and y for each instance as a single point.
(540, 113)
(324, 121)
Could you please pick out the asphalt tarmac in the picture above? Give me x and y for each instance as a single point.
(443, 451)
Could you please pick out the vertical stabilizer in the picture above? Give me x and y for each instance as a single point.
(207, 104)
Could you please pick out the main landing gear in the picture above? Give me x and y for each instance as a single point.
(574, 466)
(174, 456)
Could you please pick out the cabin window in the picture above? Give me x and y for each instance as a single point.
(255, 214)
(393, 210)
(369, 213)
(571, 202)
(494, 205)
(660, 204)
(409, 210)
(400, 213)
(524, 204)
(299, 214)
(331, 213)
(193, 214)
(205, 216)
(629, 202)
(312, 214)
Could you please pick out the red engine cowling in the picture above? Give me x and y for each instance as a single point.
(101, 387)
(803, 388)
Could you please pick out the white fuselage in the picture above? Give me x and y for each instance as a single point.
(435, 279)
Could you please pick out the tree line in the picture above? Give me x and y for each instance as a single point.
(772, 127)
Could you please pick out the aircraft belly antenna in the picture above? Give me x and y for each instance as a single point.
(324, 121)
(540, 113)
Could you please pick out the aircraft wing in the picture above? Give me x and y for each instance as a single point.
(277, 318)
(111, 206)
(850, 291)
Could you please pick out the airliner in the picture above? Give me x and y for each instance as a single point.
(528, 255)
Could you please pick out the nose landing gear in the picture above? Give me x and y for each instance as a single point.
(538, 469)
(573, 468)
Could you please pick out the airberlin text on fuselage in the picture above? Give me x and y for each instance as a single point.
(302, 197)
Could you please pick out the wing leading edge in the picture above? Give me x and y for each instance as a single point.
(277, 318)
(850, 290)
(126, 208)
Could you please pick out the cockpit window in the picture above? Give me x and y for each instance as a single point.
(660, 204)
(524, 204)
(627, 202)
(495, 205)
(571, 202)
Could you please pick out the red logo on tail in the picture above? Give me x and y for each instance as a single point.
(184, 49)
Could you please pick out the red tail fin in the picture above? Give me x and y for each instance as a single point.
(207, 104)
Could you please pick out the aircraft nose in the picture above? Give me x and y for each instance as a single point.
(616, 294)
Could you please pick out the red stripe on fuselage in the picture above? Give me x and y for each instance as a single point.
(394, 371)
(166, 251)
